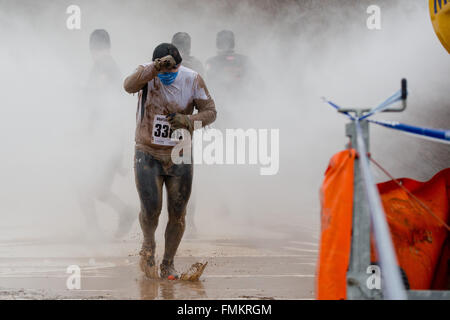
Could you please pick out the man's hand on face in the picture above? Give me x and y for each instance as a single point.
(165, 64)
(180, 121)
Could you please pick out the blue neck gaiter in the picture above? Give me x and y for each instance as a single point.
(167, 78)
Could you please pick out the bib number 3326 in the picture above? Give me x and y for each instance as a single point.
(162, 132)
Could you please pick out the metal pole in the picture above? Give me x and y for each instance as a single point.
(360, 246)
(393, 288)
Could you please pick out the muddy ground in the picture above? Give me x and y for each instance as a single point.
(279, 266)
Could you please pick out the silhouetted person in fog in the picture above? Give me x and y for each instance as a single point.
(182, 41)
(105, 73)
(230, 76)
(103, 149)
(227, 71)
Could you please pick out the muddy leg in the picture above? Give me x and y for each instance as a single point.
(178, 193)
(149, 184)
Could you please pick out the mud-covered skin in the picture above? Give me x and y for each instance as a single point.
(150, 176)
(147, 263)
(165, 64)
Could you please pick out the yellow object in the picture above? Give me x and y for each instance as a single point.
(440, 17)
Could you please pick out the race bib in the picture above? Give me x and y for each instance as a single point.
(162, 133)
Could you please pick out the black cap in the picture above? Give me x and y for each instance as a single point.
(100, 40)
(225, 40)
(182, 40)
(165, 49)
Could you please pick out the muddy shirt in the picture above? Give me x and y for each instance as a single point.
(187, 92)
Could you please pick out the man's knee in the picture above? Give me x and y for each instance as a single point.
(150, 210)
(177, 207)
(178, 200)
(151, 201)
(177, 210)
(178, 221)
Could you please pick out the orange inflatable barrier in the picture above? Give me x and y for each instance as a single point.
(336, 224)
(420, 238)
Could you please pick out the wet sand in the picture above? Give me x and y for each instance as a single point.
(277, 268)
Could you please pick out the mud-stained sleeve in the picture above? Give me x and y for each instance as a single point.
(203, 103)
(143, 74)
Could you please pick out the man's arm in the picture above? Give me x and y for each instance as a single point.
(204, 103)
(137, 80)
(144, 73)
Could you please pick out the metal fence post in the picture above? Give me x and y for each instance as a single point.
(360, 245)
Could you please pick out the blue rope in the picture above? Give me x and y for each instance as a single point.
(383, 106)
(439, 135)
(338, 108)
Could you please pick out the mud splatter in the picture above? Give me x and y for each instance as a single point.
(194, 272)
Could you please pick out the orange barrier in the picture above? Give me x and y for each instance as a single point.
(418, 237)
(420, 240)
(336, 222)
